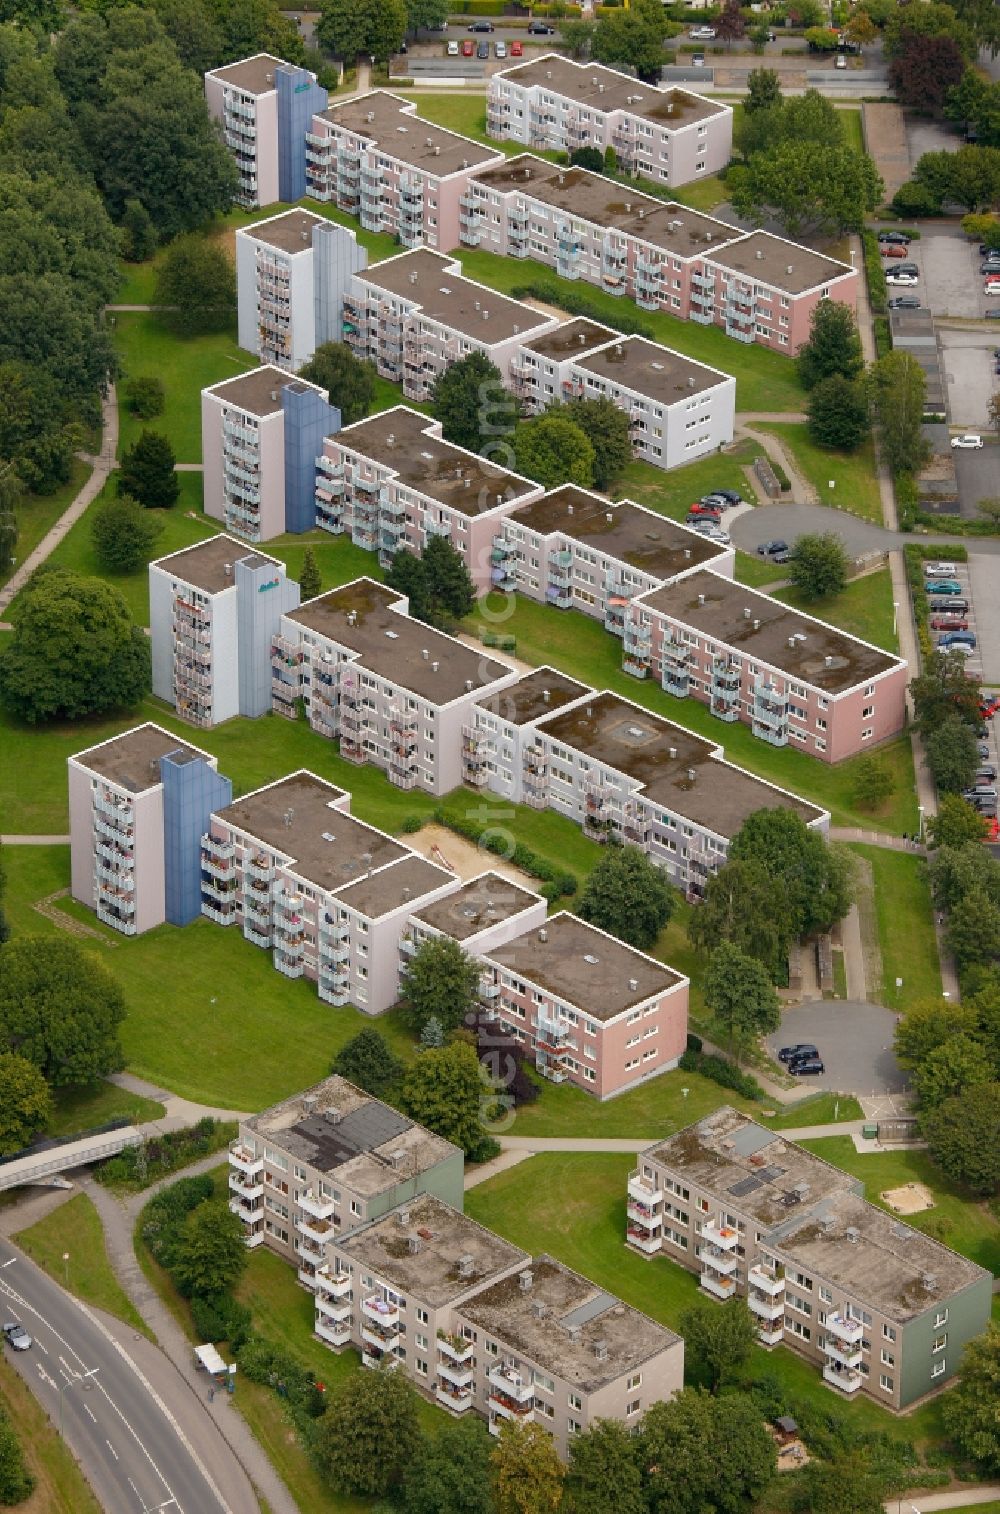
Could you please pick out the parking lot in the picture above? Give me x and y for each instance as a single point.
(978, 475)
(970, 379)
(854, 1042)
(940, 602)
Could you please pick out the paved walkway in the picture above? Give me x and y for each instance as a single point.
(876, 838)
(102, 466)
(34, 840)
(927, 1503)
(778, 453)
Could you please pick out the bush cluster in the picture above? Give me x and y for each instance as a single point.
(138, 1166)
(576, 302)
(556, 883)
(726, 1074)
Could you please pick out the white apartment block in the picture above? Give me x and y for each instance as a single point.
(619, 771)
(668, 135)
(479, 1325)
(329, 896)
(486, 912)
(877, 1306)
(575, 550)
(415, 315)
(395, 693)
(321, 1164)
(263, 106)
(392, 482)
(291, 273)
(137, 806)
(261, 434)
(213, 611)
(372, 156)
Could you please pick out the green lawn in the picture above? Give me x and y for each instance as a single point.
(580, 646)
(905, 921)
(853, 474)
(864, 608)
(757, 572)
(75, 1227)
(61, 1487)
(37, 513)
(672, 493)
(764, 380)
(87, 1108)
(965, 1224)
(815, 1109)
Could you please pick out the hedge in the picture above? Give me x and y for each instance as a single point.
(138, 1166)
(477, 8)
(784, 481)
(955, 525)
(877, 290)
(577, 303)
(556, 882)
(727, 1074)
(883, 336)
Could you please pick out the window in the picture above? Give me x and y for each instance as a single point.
(634, 1381)
(575, 1401)
(886, 1383)
(888, 1360)
(633, 1407)
(940, 1341)
(938, 1369)
(573, 1427)
(422, 1317)
(888, 1333)
(941, 1318)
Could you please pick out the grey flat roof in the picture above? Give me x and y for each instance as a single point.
(132, 760)
(393, 646)
(399, 439)
(478, 904)
(338, 1128)
(291, 232)
(389, 124)
(821, 655)
(582, 966)
(587, 196)
(258, 392)
(607, 90)
(430, 1251)
(204, 565)
(254, 75)
(328, 848)
(571, 339)
(693, 783)
(658, 373)
(784, 265)
(652, 543)
(539, 693)
(408, 880)
(508, 1313)
(472, 309)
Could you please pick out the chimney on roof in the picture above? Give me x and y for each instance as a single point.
(609, 517)
(425, 654)
(464, 1265)
(690, 380)
(403, 1217)
(413, 277)
(437, 150)
(546, 696)
(569, 509)
(413, 1244)
(673, 753)
(601, 1350)
(539, 1309)
(274, 394)
(468, 685)
(828, 661)
(642, 212)
(352, 617)
(687, 551)
(701, 599)
(756, 625)
(789, 267)
(633, 984)
(305, 235)
(543, 935)
(692, 774)
(227, 569)
(525, 1280)
(390, 440)
(747, 612)
(370, 116)
(791, 641)
(435, 666)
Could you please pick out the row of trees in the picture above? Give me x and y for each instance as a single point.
(968, 178)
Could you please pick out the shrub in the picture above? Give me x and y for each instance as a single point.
(145, 397)
(877, 291)
(558, 882)
(411, 824)
(218, 1317)
(263, 1362)
(694, 1043)
(726, 1074)
(163, 1217)
(576, 302)
(139, 1166)
(883, 336)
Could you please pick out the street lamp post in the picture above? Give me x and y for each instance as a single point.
(920, 828)
(91, 1372)
(895, 612)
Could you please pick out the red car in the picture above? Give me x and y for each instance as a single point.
(715, 511)
(949, 623)
(893, 250)
(467, 48)
(989, 707)
(517, 50)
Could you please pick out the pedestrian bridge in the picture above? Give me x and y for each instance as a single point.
(43, 1167)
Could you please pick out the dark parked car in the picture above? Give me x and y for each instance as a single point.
(987, 773)
(993, 315)
(539, 29)
(901, 238)
(483, 50)
(772, 548)
(810, 1067)
(481, 26)
(731, 496)
(904, 302)
(803, 1049)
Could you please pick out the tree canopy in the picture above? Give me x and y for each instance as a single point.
(74, 650)
(369, 1434)
(834, 346)
(196, 286)
(718, 1341)
(603, 1471)
(146, 472)
(350, 28)
(211, 1251)
(447, 1090)
(25, 1102)
(124, 534)
(440, 981)
(349, 380)
(963, 1138)
(451, 1471)
(475, 409)
(553, 450)
(368, 1061)
(605, 425)
(806, 189)
(698, 1452)
(969, 1409)
(628, 896)
(528, 1474)
(60, 1009)
(897, 388)
(956, 822)
(838, 413)
(816, 876)
(739, 993)
(632, 38)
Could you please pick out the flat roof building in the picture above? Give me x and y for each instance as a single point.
(264, 106)
(292, 271)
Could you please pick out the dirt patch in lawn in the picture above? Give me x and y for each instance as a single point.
(912, 1198)
(464, 858)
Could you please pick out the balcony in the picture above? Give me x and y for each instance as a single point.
(244, 1160)
(643, 1215)
(246, 1187)
(456, 1348)
(318, 1205)
(259, 869)
(332, 1284)
(848, 1330)
(511, 1384)
(643, 1189)
(718, 1287)
(770, 1283)
(720, 1263)
(646, 1241)
(254, 1238)
(380, 1311)
(846, 1382)
(333, 1333)
(724, 1237)
(458, 1376)
(256, 937)
(333, 1311)
(841, 1355)
(306, 1274)
(244, 1210)
(317, 1231)
(455, 1399)
(770, 1310)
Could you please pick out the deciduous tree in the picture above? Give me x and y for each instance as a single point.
(808, 191)
(746, 905)
(25, 1103)
(942, 691)
(139, 239)
(924, 70)
(632, 38)
(474, 407)
(16, 1483)
(367, 1060)
(834, 346)
(527, 1471)
(590, 158)
(949, 1070)
(124, 534)
(969, 177)
(553, 451)
(932, 19)
(897, 388)
(952, 754)
(350, 28)
(447, 1090)
(719, 1340)
(369, 1434)
(955, 823)
(211, 1252)
(407, 575)
(848, 1485)
(74, 651)
(819, 563)
(349, 381)
(422, 15)
(874, 783)
(603, 1471)
(196, 286)
(440, 981)
(145, 397)
(815, 876)
(928, 1025)
(11, 491)
(860, 28)
(451, 1471)
(969, 1410)
(628, 896)
(698, 1452)
(973, 931)
(577, 37)
(146, 472)
(838, 415)
(963, 1138)
(450, 589)
(605, 425)
(739, 993)
(954, 871)
(729, 23)
(60, 1008)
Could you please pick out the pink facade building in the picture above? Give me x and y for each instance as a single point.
(395, 693)
(373, 156)
(415, 315)
(328, 896)
(588, 1008)
(756, 287)
(791, 678)
(392, 482)
(670, 136)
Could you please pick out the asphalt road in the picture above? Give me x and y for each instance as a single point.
(768, 522)
(131, 1448)
(854, 1042)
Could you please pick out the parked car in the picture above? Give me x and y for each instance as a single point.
(698, 60)
(500, 48)
(16, 1336)
(992, 265)
(957, 639)
(702, 33)
(949, 623)
(969, 439)
(993, 315)
(987, 773)
(714, 499)
(452, 49)
(731, 496)
(716, 533)
(482, 49)
(468, 48)
(705, 525)
(899, 268)
(956, 649)
(903, 238)
(705, 507)
(517, 49)
(840, 61)
(908, 280)
(904, 302)
(991, 287)
(481, 26)
(802, 1049)
(943, 586)
(894, 249)
(983, 749)
(939, 570)
(772, 548)
(539, 29)
(810, 1067)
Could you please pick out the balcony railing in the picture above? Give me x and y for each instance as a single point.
(843, 1379)
(725, 1237)
(244, 1160)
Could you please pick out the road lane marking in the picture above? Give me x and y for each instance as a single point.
(88, 1410)
(111, 1448)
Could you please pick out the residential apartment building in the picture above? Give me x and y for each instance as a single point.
(392, 482)
(319, 1165)
(213, 611)
(576, 550)
(415, 315)
(328, 895)
(478, 1324)
(879, 1307)
(138, 805)
(789, 677)
(620, 771)
(394, 692)
(372, 156)
(664, 256)
(260, 435)
(264, 106)
(291, 274)
(668, 135)
(542, 373)
(485, 912)
(588, 1008)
